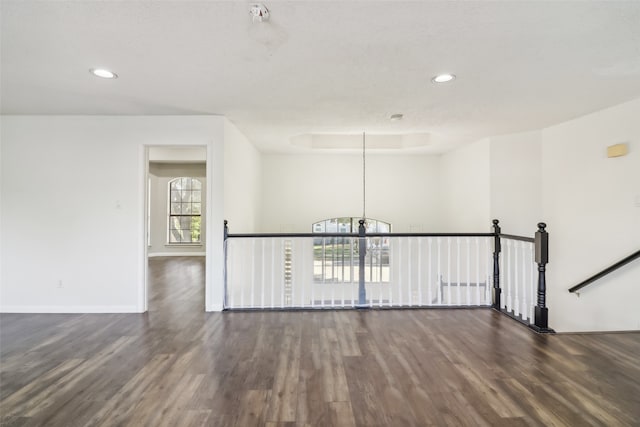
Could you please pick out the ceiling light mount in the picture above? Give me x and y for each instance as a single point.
(259, 12)
(103, 73)
(443, 78)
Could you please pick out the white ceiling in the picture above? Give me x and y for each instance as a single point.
(324, 66)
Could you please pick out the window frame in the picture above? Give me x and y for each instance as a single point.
(170, 215)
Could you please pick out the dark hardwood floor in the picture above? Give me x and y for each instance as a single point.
(179, 366)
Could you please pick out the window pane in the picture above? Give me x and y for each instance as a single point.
(174, 223)
(195, 228)
(186, 183)
(186, 196)
(332, 225)
(196, 196)
(344, 225)
(175, 209)
(185, 222)
(196, 185)
(383, 227)
(175, 196)
(175, 185)
(186, 208)
(195, 208)
(318, 227)
(174, 237)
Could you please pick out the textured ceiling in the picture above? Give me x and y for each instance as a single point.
(325, 67)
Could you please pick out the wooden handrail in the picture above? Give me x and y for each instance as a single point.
(606, 271)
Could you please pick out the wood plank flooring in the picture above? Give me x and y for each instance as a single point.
(179, 366)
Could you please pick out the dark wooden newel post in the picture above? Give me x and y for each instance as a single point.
(542, 258)
(362, 251)
(496, 265)
(226, 229)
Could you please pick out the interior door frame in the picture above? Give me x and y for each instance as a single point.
(144, 289)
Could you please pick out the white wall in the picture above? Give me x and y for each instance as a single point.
(515, 175)
(589, 204)
(160, 174)
(242, 177)
(299, 190)
(177, 154)
(466, 188)
(73, 209)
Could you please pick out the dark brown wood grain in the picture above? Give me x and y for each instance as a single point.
(179, 366)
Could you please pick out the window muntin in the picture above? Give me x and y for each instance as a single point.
(185, 209)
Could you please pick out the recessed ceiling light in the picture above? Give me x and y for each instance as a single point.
(396, 117)
(443, 78)
(105, 74)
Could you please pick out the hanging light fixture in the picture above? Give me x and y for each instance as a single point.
(364, 178)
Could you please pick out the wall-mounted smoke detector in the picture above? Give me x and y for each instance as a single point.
(259, 12)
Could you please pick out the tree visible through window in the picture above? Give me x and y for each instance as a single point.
(185, 208)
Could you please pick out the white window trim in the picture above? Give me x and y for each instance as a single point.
(168, 226)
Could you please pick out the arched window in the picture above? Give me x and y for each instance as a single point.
(350, 225)
(185, 209)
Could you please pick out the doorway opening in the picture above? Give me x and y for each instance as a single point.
(175, 229)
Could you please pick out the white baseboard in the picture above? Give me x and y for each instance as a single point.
(69, 309)
(214, 307)
(157, 254)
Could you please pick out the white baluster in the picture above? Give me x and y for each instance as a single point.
(468, 272)
(303, 267)
(230, 285)
(334, 272)
(448, 270)
(420, 303)
(293, 275)
(343, 275)
(396, 243)
(409, 255)
(477, 239)
(439, 284)
(523, 280)
(509, 280)
(324, 270)
(273, 271)
(533, 284)
(399, 284)
(429, 272)
(516, 281)
(283, 273)
(458, 302)
(488, 273)
(263, 271)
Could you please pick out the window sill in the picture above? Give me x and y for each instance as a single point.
(182, 245)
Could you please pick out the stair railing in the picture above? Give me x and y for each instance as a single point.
(278, 271)
(605, 271)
